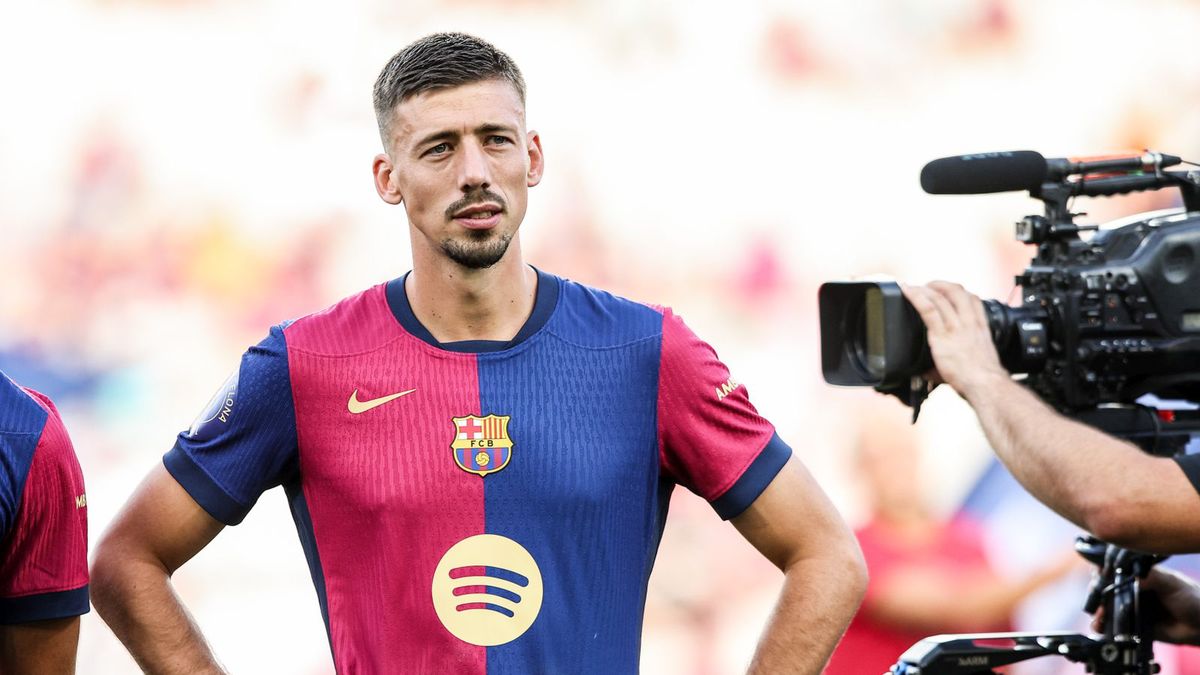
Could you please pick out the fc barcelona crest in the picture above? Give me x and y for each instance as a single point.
(481, 444)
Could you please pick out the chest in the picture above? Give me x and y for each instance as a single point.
(403, 432)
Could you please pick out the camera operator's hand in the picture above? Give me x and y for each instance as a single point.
(959, 339)
(1177, 601)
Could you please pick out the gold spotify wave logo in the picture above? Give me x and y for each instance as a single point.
(487, 590)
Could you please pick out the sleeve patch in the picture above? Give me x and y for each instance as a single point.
(215, 418)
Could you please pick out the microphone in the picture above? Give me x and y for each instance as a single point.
(1027, 170)
(985, 172)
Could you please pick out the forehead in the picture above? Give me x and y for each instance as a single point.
(459, 109)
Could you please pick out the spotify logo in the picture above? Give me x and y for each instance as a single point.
(487, 590)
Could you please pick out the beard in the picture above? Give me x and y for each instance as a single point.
(479, 251)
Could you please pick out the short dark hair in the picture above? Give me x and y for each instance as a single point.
(437, 61)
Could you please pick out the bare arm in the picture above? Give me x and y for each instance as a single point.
(39, 647)
(160, 528)
(794, 525)
(1105, 485)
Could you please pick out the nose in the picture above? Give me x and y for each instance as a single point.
(474, 171)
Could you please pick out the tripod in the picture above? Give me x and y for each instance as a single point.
(1125, 646)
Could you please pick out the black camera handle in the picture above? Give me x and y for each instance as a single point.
(1056, 195)
(1124, 647)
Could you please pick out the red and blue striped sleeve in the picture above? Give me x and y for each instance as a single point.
(244, 442)
(711, 438)
(43, 558)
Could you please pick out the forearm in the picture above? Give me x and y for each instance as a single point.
(137, 601)
(1071, 467)
(818, 599)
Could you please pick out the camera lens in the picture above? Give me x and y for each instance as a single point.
(874, 333)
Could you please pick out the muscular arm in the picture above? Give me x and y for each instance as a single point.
(160, 528)
(794, 525)
(39, 647)
(1105, 485)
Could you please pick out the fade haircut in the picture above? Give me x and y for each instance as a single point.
(435, 62)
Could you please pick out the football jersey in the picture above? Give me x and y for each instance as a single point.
(43, 512)
(480, 506)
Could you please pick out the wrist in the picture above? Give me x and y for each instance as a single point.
(985, 383)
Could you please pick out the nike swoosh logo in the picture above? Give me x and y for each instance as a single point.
(356, 406)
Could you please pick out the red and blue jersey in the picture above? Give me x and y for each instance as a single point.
(43, 512)
(480, 507)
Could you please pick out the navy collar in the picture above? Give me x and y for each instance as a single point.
(543, 306)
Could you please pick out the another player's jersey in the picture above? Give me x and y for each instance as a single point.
(480, 507)
(43, 512)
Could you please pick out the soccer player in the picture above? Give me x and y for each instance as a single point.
(478, 454)
(43, 537)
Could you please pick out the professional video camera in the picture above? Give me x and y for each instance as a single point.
(1103, 320)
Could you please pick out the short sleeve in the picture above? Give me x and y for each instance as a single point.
(244, 442)
(1191, 468)
(43, 564)
(712, 440)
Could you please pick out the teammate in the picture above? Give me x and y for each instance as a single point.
(478, 455)
(43, 537)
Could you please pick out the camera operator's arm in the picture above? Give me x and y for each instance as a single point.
(1106, 486)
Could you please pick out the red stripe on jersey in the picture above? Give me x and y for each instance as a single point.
(386, 497)
(709, 432)
(46, 551)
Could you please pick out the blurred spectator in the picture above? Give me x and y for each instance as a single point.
(927, 576)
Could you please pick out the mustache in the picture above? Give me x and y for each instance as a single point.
(476, 196)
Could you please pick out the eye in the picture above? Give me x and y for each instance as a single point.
(440, 148)
(499, 140)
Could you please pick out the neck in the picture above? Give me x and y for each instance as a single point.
(455, 303)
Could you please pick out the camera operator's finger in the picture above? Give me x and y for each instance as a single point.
(918, 296)
(1098, 620)
(967, 306)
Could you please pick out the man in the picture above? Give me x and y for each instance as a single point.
(43, 537)
(1103, 484)
(478, 455)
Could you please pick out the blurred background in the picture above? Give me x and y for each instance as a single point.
(178, 175)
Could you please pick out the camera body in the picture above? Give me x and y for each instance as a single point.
(1120, 314)
(1106, 319)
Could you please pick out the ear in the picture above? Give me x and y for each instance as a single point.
(385, 183)
(537, 161)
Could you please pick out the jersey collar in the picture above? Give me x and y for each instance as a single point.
(543, 306)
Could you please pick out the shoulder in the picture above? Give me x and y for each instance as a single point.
(22, 411)
(32, 436)
(356, 324)
(591, 317)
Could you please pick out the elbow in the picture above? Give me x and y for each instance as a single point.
(105, 573)
(855, 575)
(1115, 522)
(859, 576)
(115, 573)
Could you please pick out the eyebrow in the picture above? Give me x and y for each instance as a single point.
(442, 136)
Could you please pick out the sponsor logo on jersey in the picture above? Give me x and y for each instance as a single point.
(357, 407)
(210, 423)
(81, 501)
(481, 444)
(727, 388)
(487, 590)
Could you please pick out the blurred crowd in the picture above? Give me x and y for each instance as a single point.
(178, 175)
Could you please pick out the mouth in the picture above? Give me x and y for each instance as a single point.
(479, 216)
